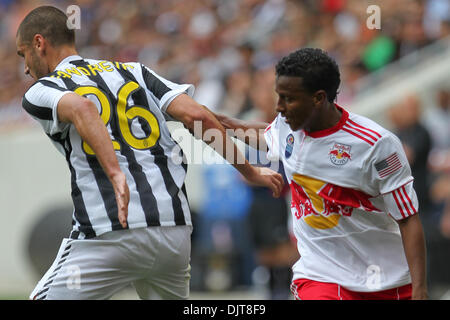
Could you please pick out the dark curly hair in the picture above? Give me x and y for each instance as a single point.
(316, 68)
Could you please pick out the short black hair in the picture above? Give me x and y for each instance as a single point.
(48, 21)
(316, 68)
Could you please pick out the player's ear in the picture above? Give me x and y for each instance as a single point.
(39, 42)
(319, 97)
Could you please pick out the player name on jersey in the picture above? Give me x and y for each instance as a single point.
(92, 69)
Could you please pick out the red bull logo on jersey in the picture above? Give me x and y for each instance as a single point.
(340, 154)
(321, 205)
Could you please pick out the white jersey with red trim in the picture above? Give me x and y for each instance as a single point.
(349, 184)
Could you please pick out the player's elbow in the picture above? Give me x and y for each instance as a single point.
(85, 109)
(193, 115)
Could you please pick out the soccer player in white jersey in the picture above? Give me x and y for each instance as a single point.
(131, 220)
(354, 208)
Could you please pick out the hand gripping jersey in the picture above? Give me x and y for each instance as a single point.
(132, 102)
(348, 184)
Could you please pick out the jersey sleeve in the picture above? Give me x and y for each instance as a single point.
(41, 102)
(271, 135)
(162, 90)
(388, 168)
(402, 202)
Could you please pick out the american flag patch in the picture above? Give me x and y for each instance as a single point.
(388, 166)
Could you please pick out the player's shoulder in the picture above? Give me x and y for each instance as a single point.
(277, 128)
(130, 65)
(366, 130)
(272, 125)
(125, 65)
(362, 122)
(42, 85)
(380, 141)
(278, 123)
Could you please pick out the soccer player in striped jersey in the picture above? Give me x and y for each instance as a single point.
(131, 220)
(354, 208)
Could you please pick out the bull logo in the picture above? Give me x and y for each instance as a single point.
(340, 154)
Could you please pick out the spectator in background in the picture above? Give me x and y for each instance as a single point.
(268, 217)
(411, 35)
(438, 231)
(175, 36)
(272, 239)
(426, 142)
(437, 120)
(441, 197)
(417, 144)
(237, 101)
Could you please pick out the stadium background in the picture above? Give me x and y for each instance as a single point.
(228, 49)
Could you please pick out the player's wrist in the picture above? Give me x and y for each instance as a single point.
(249, 171)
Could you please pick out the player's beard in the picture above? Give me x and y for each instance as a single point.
(38, 68)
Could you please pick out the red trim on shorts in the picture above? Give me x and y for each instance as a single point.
(305, 289)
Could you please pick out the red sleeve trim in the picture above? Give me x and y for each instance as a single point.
(398, 203)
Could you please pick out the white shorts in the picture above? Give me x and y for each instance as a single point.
(154, 259)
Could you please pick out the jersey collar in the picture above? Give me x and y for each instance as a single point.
(335, 128)
(68, 59)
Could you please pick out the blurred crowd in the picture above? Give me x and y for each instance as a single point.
(228, 49)
(424, 131)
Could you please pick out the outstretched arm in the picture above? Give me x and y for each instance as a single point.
(414, 245)
(250, 132)
(83, 114)
(188, 111)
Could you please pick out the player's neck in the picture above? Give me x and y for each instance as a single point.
(59, 55)
(328, 117)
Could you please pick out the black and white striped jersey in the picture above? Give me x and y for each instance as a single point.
(132, 101)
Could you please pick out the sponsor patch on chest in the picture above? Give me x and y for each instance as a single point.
(289, 145)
